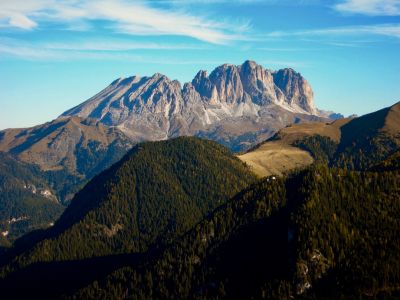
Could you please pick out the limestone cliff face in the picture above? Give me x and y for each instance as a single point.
(236, 100)
(252, 83)
(297, 91)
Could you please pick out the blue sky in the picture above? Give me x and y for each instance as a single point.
(56, 54)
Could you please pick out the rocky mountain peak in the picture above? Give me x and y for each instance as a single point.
(153, 108)
(202, 84)
(250, 64)
(161, 77)
(200, 77)
(226, 85)
(252, 83)
(297, 90)
(258, 83)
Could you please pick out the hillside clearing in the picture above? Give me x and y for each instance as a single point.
(275, 158)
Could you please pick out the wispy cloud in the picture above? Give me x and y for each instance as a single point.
(390, 30)
(36, 53)
(117, 46)
(355, 44)
(26, 52)
(370, 7)
(137, 18)
(110, 49)
(284, 64)
(293, 49)
(243, 2)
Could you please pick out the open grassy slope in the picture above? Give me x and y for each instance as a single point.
(355, 143)
(276, 158)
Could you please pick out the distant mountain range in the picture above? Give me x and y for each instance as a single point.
(92, 207)
(237, 106)
(184, 218)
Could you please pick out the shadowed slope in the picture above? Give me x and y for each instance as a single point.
(69, 151)
(26, 200)
(155, 193)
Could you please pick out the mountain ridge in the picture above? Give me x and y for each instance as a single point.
(185, 218)
(236, 106)
(355, 143)
(156, 192)
(156, 107)
(67, 149)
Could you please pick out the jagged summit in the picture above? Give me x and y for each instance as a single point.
(234, 99)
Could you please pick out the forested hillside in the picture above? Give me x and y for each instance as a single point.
(156, 192)
(67, 151)
(321, 234)
(184, 219)
(353, 143)
(26, 200)
(317, 234)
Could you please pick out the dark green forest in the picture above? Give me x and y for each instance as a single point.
(185, 219)
(320, 234)
(155, 193)
(21, 198)
(22, 186)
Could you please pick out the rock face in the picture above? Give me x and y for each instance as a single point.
(297, 91)
(235, 105)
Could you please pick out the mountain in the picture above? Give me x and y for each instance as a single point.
(286, 151)
(184, 218)
(315, 235)
(332, 115)
(369, 139)
(238, 106)
(354, 143)
(158, 191)
(69, 151)
(26, 200)
(318, 234)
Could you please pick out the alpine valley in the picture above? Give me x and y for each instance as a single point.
(138, 193)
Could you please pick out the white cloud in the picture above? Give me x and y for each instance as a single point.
(292, 49)
(116, 46)
(284, 64)
(242, 2)
(110, 49)
(370, 7)
(26, 52)
(21, 21)
(31, 52)
(391, 30)
(136, 18)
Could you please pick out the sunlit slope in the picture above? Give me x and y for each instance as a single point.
(276, 158)
(354, 143)
(279, 155)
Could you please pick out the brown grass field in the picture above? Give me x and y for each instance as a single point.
(276, 158)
